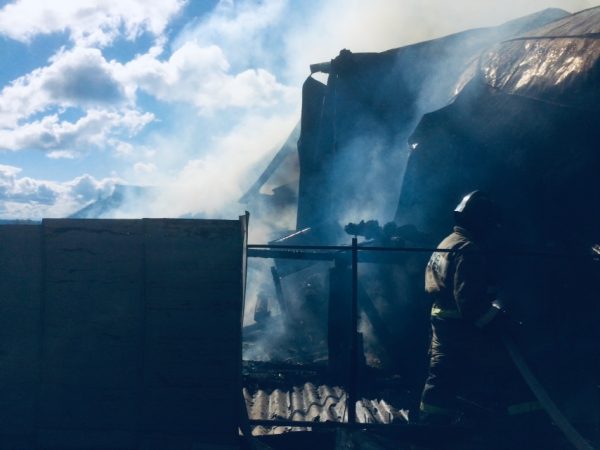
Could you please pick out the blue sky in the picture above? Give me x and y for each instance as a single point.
(190, 96)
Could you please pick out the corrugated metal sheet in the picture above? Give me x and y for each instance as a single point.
(314, 404)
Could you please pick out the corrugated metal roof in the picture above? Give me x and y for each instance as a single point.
(314, 404)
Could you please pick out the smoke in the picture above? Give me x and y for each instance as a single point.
(378, 25)
(202, 173)
(210, 186)
(204, 164)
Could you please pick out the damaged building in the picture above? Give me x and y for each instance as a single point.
(398, 137)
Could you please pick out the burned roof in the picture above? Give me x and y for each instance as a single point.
(556, 63)
(356, 127)
(582, 23)
(527, 114)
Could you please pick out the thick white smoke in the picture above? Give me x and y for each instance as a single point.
(379, 25)
(284, 39)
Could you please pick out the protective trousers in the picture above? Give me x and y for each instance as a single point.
(471, 377)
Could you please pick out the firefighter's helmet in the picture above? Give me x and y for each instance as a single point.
(477, 212)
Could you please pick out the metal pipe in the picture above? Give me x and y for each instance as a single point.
(292, 254)
(300, 247)
(489, 252)
(422, 250)
(365, 257)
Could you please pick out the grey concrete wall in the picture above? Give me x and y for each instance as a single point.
(120, 333)
(20, 306)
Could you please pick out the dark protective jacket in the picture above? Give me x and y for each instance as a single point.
(460, 283)
(465, 361)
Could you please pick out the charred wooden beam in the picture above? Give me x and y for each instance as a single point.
(283, 306)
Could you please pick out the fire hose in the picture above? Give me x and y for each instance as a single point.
(559, 419)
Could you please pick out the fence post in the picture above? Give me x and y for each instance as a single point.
(354, 338)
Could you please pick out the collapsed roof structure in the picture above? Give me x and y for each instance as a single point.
(352, 144)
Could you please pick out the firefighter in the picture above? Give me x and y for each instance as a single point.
(470, 374)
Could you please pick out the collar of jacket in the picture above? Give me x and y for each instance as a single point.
(480, 243)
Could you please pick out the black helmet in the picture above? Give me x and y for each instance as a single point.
(477, 213)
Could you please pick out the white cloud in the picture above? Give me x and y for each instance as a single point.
(8, 172)
(201, 76)
(83, 78)
(123, 149)
(77, 78)
(241, 29)
(96, 129)
(63, 154)
(29, 198)
(88, 22)
(236, 20)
